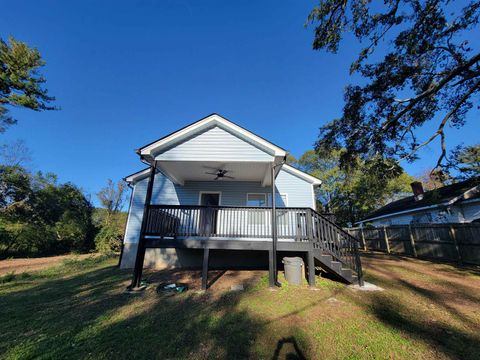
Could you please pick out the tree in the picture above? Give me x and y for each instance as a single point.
(21, 85)
(15, 153)
(429, 73)
(113, 196)
(432, 179)
(351, 193)
(467, 161)
(40, 216)
(15, 187)
(110, 220)
(325, 167)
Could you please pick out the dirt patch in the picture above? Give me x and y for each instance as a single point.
(22, 265)
(218, 281)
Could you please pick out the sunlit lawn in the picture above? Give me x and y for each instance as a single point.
(80, 310)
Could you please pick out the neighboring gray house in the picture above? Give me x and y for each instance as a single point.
(456, 203)
(209, 187)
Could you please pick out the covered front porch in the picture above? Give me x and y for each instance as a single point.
(213, 185)
(208, 224)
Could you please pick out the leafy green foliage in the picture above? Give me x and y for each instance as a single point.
(110, 220)
(429, 74)
(20, 82)
(112, 196)
(351, 193)
(40, 216)
(467, 160)
(15, 186)
(110, 230)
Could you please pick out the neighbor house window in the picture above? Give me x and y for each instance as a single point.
(256, 200)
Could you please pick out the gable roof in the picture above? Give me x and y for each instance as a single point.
(302, 175)
(444, 196)
(206, 122)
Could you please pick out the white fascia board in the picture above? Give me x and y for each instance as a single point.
(137, 176)
(303, 175)
(404, 212)
(215, 119)
(142, 174)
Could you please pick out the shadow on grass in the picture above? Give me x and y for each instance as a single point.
(451, 341)
(296, 354)
(450, 266)
(402, 312)
(88, 315)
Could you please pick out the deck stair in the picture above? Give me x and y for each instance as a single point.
(335, 250)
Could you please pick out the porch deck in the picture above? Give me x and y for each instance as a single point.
(250, 228)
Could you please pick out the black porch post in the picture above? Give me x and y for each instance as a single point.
(206, 253)
(137, 271)
(273, 256)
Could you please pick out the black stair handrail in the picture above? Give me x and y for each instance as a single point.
(346, 251)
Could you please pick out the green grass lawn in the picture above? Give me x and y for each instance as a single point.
(79, 310)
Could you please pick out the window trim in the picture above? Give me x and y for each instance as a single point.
(269, 200)
(264, 195)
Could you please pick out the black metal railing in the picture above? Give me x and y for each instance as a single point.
(297, 224)
(333, 240)
(225, 222)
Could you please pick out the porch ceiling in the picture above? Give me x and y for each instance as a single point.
(181, 171)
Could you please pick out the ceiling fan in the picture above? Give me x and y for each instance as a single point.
(220, 174)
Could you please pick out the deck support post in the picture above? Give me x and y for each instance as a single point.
(271, 272)
(273, 257)
(206, 253)
(311, 269)
(138, 269)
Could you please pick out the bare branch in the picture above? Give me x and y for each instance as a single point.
(440, 130)
(432, 89)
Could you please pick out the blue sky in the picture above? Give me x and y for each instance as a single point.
(127, 72)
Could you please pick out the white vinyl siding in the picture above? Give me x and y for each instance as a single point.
(214, 144)
(296, 191)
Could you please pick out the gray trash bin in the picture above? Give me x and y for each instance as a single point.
(293, 269)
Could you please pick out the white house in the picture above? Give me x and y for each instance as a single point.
(208, 189)
(456, 203)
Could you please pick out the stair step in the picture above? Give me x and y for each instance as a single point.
(326, 259)
(337, 266)
(347, 274)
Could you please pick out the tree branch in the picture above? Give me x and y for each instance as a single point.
(440, 130)
(432, 89)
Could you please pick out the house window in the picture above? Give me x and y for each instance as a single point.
(259, 200)
(256, 200)
(281, 200)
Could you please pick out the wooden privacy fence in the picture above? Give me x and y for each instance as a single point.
(451, 242)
